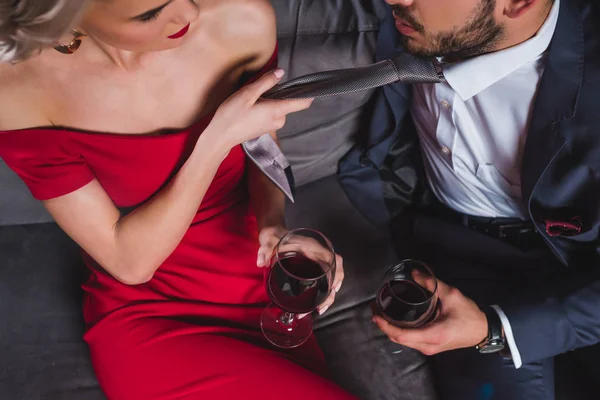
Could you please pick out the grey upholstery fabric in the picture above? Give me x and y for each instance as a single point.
(317, 35)
(16, 204)
(42, 355)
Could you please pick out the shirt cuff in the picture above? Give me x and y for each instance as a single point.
(512, 345)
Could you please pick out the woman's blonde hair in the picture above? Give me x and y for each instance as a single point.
(28, 26)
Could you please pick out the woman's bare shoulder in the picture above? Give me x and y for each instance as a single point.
(20, 100)
(246, 27)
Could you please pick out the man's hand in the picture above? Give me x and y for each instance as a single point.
(460, 324)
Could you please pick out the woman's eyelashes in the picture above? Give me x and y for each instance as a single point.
(149, 17)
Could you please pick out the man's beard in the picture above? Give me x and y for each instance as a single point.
(479, 35)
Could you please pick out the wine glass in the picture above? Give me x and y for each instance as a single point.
(404, 300)
(299, 281)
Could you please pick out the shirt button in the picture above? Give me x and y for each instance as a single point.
(445, 104)
(446, 151)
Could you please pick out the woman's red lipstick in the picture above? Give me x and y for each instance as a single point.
(181, 33)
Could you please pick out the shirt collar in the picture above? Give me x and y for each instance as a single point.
(470, 77)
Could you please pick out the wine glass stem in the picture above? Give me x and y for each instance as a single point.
(287, 318)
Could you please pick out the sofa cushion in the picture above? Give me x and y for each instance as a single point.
(17, 206)
(42, 352)
(319, 35)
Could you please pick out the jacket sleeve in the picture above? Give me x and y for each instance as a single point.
(559, 317)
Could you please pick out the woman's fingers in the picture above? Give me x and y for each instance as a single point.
(339, 273)
(327, 303)
(264, 83)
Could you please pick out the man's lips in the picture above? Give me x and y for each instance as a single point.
(181, 33)
(404, 27)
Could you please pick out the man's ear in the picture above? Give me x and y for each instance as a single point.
(516, 8)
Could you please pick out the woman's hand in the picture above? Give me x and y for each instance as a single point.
(269, 238)
(244, 115)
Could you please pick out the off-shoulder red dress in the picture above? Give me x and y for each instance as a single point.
(192, 332)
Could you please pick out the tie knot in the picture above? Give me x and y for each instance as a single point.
(412, 69)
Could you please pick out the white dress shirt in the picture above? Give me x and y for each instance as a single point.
(473, 128)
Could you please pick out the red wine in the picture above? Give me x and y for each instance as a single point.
(403, 302)
(299, 288)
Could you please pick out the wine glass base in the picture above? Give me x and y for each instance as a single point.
(282, 333)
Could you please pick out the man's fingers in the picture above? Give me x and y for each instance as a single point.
(426, 349)
(391, 331)
(426, 336)
(425, 281)
(444, 290)
(432, 284)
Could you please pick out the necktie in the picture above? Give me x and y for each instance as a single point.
(405, 68)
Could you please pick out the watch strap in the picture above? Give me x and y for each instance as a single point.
(494, 328)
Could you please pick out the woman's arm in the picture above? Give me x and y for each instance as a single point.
(268, 203)
(267, 200)
(131, 248)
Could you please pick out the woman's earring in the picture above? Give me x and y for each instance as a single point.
(73, 46)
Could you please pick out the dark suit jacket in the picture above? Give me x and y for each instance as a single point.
(560, 178)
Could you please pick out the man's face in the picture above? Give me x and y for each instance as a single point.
(455, 29)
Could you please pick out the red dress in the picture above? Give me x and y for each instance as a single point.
(192, 332)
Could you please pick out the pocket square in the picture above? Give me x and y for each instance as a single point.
(564, 228)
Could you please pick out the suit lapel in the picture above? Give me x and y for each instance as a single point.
(557, 96)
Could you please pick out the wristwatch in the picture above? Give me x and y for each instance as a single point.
(495, 341)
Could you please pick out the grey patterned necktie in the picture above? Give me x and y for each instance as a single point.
(405, 68)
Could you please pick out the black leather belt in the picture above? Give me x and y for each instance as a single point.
(511, 230)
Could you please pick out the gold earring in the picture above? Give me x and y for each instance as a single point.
(74, 45)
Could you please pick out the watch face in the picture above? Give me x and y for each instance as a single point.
(491, 348)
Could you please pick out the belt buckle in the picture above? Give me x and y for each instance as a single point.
(504, 230)
(518, 234)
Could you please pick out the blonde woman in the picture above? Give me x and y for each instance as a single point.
(119, 116)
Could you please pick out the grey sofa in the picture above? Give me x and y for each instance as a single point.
(42, 355)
